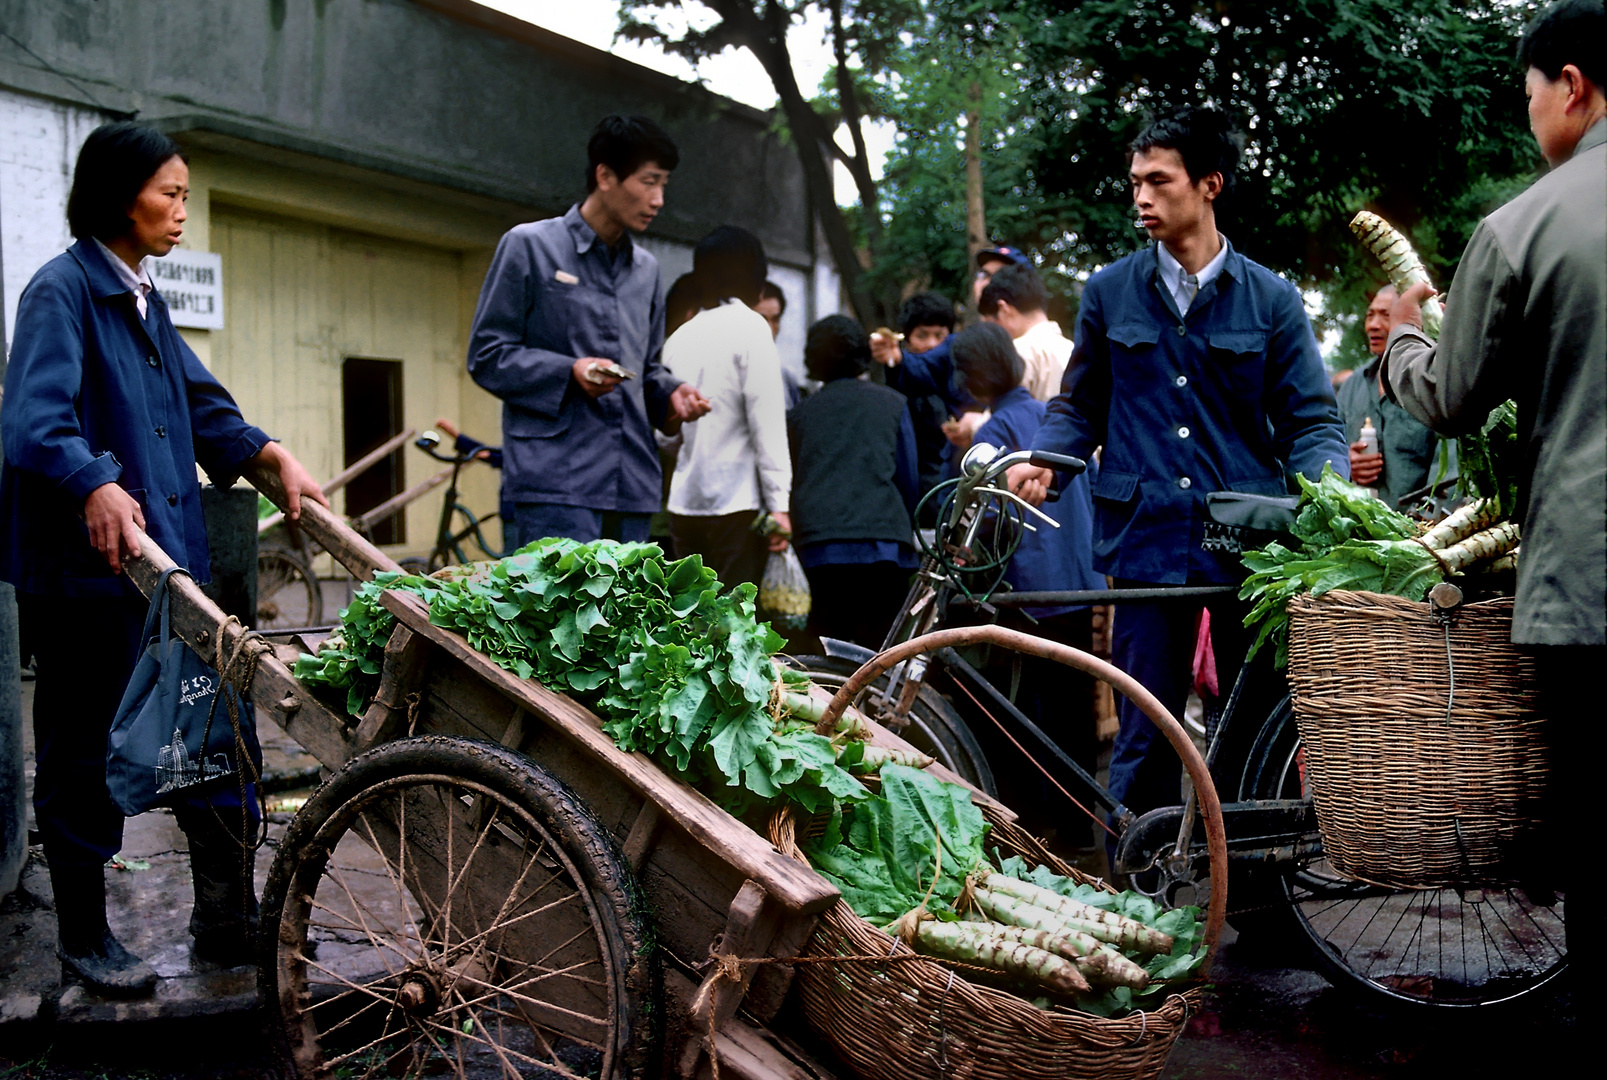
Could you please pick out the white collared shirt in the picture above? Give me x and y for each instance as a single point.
(735, 457)
(139, 284)
(1173, 274)
(1045, 351)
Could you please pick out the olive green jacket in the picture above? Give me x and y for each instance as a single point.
(1527, 319)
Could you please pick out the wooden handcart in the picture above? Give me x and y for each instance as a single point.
(487, 885)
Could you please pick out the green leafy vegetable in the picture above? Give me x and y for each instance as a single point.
(1488, 461)
(678, 668)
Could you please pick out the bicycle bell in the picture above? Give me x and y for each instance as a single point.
(978, 458)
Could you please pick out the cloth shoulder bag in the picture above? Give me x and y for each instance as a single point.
(168, 743)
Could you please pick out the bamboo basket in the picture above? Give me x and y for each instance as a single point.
(1424, 748)
(919, 1019)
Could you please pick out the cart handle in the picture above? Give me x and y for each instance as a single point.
(1210, 805)
(353, 552)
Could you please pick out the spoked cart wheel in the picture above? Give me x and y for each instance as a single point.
(1445, 949)
(288, 592)
(446, 907)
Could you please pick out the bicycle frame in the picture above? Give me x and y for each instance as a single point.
(448, 544)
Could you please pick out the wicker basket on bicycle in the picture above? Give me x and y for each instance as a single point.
(1424, 749)
(917, 1019)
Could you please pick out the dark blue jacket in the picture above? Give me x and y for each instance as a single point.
(1232, 396)
(553, 295)
(1050, 558)
(95, 395)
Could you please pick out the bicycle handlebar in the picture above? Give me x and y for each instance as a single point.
(430, 440)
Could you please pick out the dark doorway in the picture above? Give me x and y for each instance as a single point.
(371, 412)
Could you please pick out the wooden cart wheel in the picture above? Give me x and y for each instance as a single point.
(443, 905)
(1123, 683)
(288, 592)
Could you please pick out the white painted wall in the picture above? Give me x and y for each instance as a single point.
(39, 142)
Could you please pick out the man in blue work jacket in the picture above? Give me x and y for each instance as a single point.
(1196, 370)
(568, 333)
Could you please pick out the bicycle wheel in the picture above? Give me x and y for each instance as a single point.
(1425, 949)
(934, 728)
(288, 592)
(447, 906)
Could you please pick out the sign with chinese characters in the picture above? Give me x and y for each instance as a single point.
(192, 284)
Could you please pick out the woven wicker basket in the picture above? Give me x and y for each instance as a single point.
(917, 1019)
(1420, 781)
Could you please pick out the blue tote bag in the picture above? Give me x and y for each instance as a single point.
(170, 742)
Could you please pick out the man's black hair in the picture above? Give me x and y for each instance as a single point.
(114, 164)
(625, 144)
(679, 299)
(1017, 285)
(988, 361)
(926, 309)
(837, 348)
(1204, 137)
(1567, 32)
(771, 291)
(729, 264)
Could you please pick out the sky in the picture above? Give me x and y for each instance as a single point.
(735, 73)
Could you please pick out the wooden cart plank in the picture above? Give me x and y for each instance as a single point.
(197, 621)
(792, 884)
(325, 526)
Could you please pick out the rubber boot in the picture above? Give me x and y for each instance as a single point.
(88, 949)
(223, 920)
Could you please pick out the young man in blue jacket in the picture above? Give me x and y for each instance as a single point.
(1196, 370)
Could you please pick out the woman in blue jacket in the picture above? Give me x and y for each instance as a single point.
(106, 415)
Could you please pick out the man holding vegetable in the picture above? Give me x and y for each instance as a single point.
(1196, 370)
(1527, 321)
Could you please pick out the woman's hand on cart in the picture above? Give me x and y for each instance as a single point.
(297, 481)
(114, 520)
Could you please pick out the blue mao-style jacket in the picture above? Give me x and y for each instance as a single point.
(554, 294)
(1229, 396)
(96, 395)
(1048, 559)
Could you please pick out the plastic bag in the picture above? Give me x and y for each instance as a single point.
(784, 592)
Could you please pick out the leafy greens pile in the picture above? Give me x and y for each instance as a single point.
(884, 853)
(1347, 540)
(1488, 461)
(678, 668)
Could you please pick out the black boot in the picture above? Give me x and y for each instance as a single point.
(87, 948)
(223, 921)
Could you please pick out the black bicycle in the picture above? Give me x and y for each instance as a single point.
(1450, 948)
(458, 525)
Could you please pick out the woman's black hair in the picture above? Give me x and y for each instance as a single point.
(113, 166)
(837, 348)
(680, 298)
(988, 361)
(926, 309)
(1567, 32)
(625, 144)
(1203, 137)
(729, 264)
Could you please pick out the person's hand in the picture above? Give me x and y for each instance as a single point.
(778, 540)
(446, 427)
(298, 482)
(962, 431)
(595, 383)
(112, 515)
(1408, 307)
(884, 350)
(687, 403)
(1029, 482)
(1365, 469)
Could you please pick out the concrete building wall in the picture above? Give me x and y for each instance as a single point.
(354, 163)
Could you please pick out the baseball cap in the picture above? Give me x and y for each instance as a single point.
(1005, 252)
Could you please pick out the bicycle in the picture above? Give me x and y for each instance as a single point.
(1442, 949)
(458, 524)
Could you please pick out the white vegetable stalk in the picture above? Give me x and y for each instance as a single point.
(1475, 517)
(1400, 262)
(1480, 547)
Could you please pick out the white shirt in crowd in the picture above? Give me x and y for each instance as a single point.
(736, 457)
(1177, 283)
(1046, 351)
(139, 284)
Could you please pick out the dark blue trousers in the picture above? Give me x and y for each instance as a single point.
(84, 651)
(534, 521)
(1154, 643)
